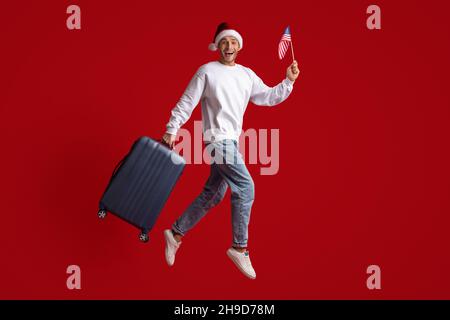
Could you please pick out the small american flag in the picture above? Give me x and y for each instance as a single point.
(285, 41)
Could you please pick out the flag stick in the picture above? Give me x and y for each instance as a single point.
(292, 50)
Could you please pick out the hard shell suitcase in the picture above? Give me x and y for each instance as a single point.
(141, 183)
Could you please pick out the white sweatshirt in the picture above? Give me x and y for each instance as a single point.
(224, 92)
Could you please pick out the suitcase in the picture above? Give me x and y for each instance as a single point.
(141, 183)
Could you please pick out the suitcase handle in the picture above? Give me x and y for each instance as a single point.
(166, 145)
(118, 166)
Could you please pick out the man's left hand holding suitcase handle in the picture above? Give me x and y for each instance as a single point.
(169, 140)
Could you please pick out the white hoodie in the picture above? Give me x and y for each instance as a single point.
(224, 92)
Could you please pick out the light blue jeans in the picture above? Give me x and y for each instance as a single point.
(227, 169)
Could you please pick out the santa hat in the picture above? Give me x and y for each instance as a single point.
(224, 30)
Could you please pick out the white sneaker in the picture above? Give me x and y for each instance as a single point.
(242, 261)
(172, 246)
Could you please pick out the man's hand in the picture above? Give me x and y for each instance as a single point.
(293, 71)
(169, 139)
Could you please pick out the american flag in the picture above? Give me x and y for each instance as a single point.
(285, 41)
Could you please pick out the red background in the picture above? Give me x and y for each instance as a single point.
(364, 150)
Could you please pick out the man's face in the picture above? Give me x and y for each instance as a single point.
(228, 48)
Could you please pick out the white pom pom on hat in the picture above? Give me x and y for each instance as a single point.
(224, 30)
(212, 47)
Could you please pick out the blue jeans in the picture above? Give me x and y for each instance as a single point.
(227, 169)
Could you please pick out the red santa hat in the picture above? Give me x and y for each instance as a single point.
(224, 30)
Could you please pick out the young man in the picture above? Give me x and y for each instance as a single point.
(224, 89)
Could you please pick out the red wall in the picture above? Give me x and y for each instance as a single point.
(364, 149)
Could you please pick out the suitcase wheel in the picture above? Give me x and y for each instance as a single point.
(143, 237)
(101, 214)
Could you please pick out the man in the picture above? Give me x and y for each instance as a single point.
(224, 89)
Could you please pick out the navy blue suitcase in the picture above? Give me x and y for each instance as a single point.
(141, 183)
